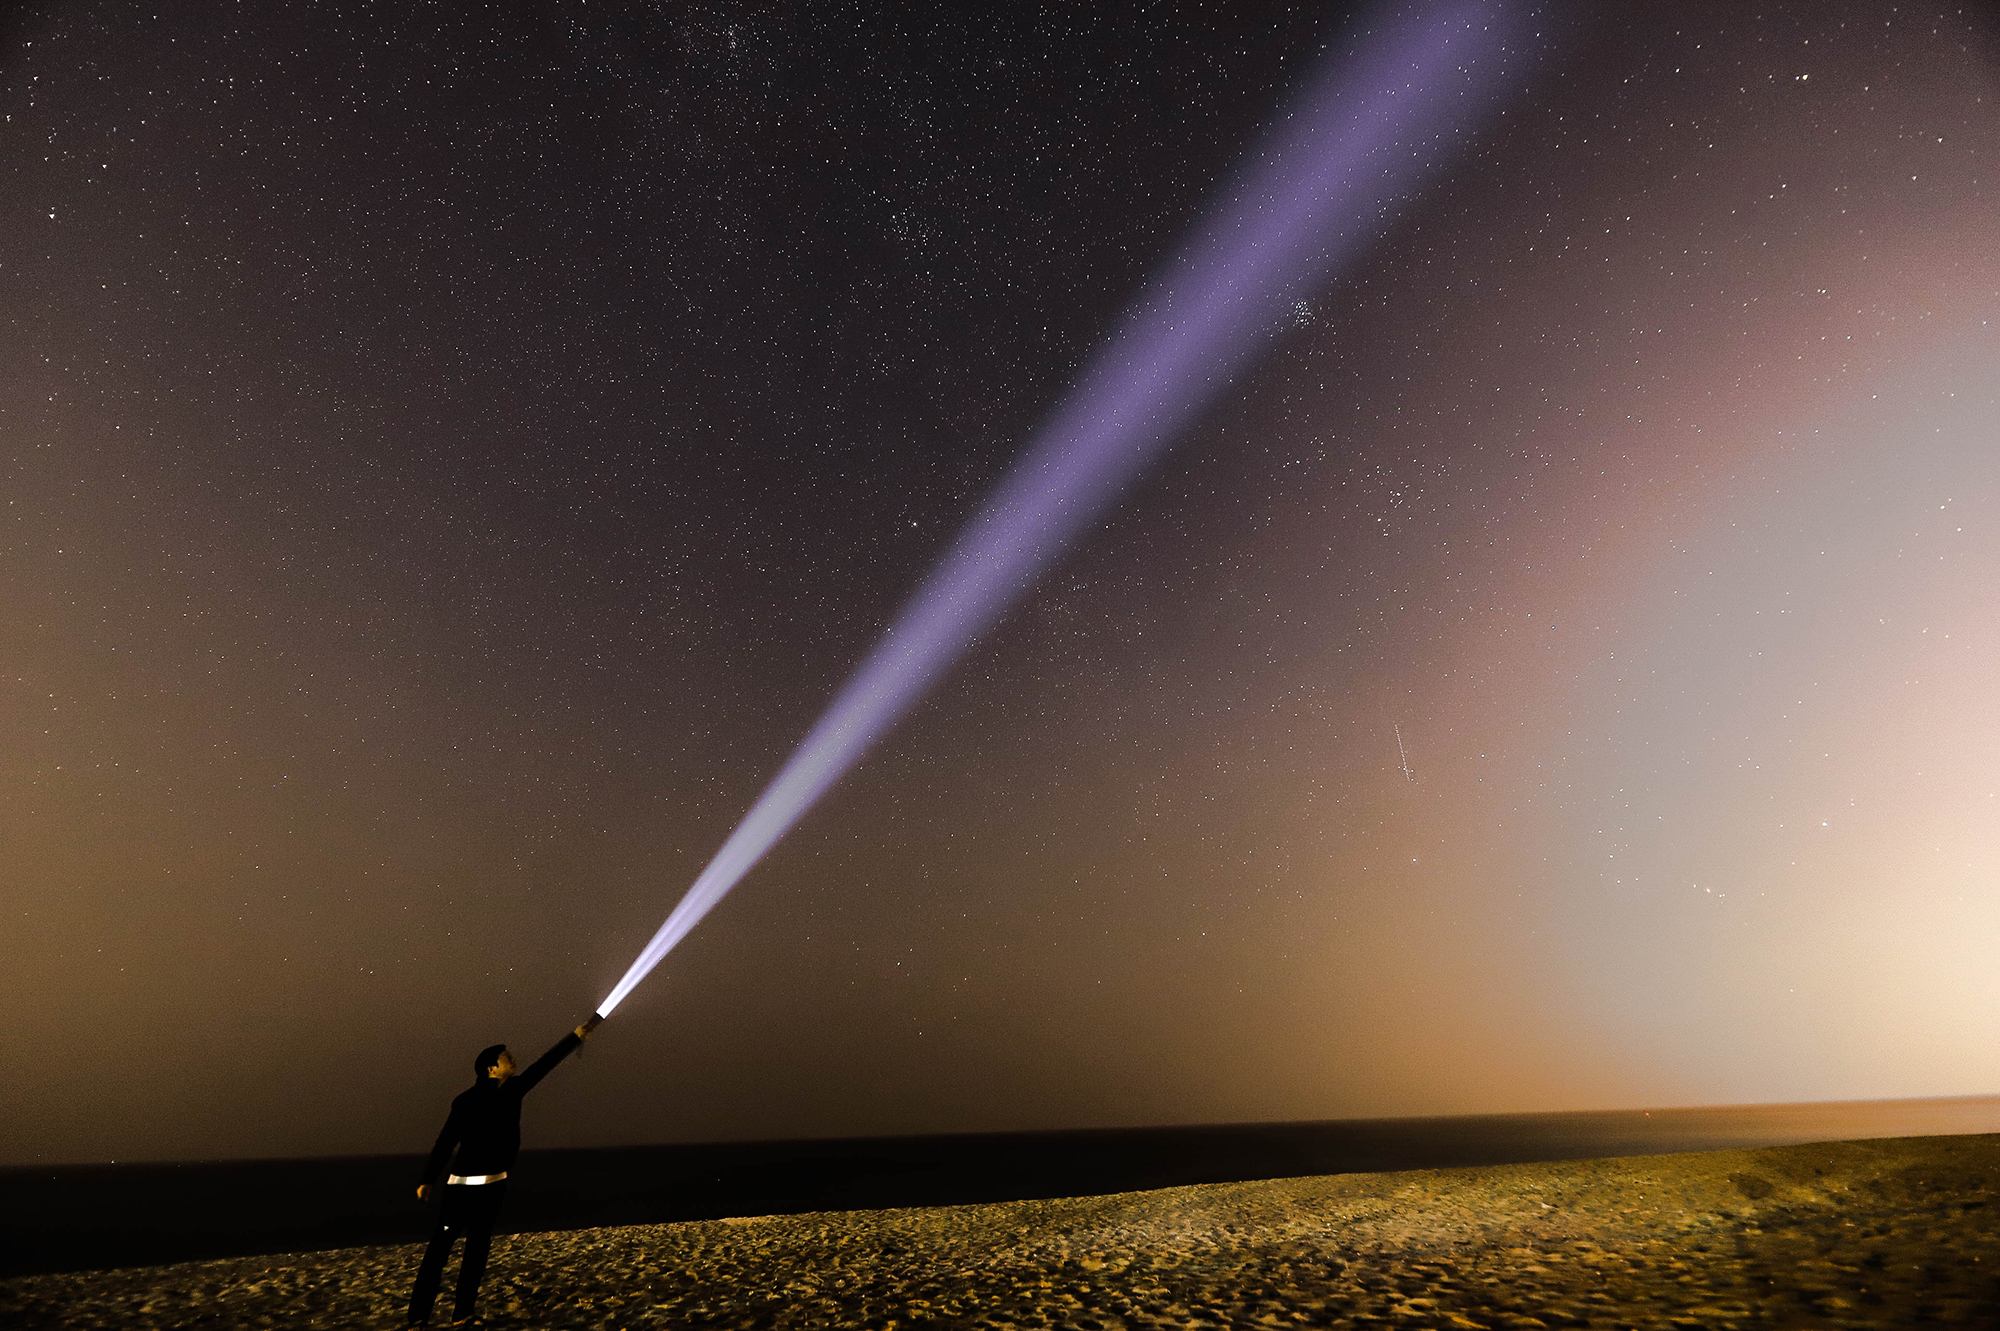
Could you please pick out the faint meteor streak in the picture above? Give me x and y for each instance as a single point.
(1372, 126)
(1401, 756)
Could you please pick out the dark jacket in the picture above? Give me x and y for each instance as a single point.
(485, 1122)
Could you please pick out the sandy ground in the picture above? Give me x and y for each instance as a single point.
(1855, 1234)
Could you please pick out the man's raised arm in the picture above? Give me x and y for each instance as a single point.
(544, 1065)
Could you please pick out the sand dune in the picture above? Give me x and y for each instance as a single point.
(1853, 1234)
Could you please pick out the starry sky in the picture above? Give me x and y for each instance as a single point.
(449, 458)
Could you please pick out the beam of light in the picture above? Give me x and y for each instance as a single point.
(1371, 127)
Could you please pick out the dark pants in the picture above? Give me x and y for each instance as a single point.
(468, 1212)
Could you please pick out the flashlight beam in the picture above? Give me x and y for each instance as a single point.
(1375, 124)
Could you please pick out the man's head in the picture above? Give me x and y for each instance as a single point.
(494, 1061)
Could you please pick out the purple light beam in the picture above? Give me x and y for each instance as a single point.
(1373, 126)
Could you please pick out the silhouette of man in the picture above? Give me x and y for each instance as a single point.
(485, 1129)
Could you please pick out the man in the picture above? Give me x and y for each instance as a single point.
(485, 1127)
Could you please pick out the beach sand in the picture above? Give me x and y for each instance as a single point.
(1900, 1232)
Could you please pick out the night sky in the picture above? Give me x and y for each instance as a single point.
(449, 458)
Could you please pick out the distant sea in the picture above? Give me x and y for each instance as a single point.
(84, 1217)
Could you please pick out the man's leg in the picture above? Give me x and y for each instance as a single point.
(480, 1213)
(431, 1274)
